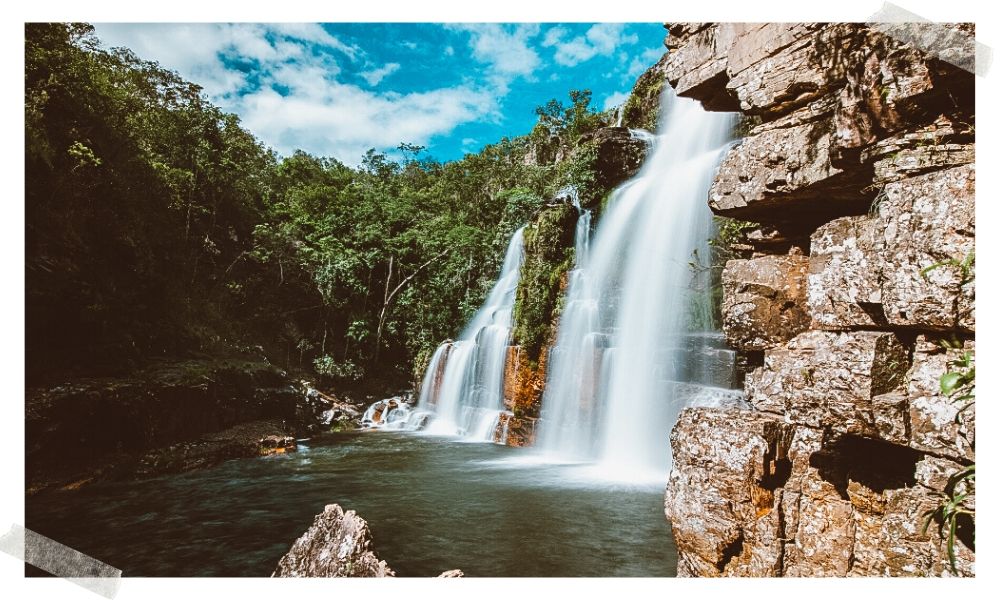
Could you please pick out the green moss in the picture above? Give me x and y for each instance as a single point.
(642, 109)
(548, 250)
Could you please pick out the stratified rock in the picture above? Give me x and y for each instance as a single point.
(844, 286)
(697, 61)
(930, 220)
(785, 174)
(764, 300)
(934, 422)
(338, 544)
(825, 379)
(751, 495)
(778, 67)
(943, 144)
(720, 496)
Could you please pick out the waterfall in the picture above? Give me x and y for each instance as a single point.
(462, 390)
(624, 346)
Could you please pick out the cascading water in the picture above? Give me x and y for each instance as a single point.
(624, 347)
(462, 389)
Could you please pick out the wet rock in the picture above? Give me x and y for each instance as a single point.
(338, 544)
(844, 275)
(277, 444)
(162, 419)
(516, 431)
(934, 421)
(930, 220)
(764, 300)
(825, 379)
(524, 381)
(245, 440)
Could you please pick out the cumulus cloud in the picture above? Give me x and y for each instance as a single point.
(374, 76)
(601, 39)
(288, 88)
(505, 49)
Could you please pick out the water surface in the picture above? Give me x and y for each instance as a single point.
(432, 504)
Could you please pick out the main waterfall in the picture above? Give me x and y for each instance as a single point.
(638, 308)
(462, 390)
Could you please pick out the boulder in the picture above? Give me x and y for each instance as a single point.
(764, 300)
(338, 544)
(516, 431)
(451, 574)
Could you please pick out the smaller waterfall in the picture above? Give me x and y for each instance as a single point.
(462, 390)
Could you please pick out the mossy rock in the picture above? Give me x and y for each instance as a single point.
(548, 255)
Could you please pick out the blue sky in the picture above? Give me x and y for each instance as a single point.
(338, 89)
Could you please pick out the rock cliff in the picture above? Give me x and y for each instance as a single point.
(861, 157)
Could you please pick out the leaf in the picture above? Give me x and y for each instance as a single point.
(949, 381)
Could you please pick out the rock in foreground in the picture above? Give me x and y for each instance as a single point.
(338, 544)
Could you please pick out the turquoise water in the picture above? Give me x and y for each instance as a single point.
(432, 504)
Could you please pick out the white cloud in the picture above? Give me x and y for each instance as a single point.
(553, 36)
(601, 39)
(293, 97)
(645, 60)
(374, 76)
(615, 99)
(505, 49)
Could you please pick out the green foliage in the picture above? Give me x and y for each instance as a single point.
(569, 123)
(965, 267)
(642, 109)
(158, 227)
(952, 515)
(548, 257)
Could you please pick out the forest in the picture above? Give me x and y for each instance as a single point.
(159, 228)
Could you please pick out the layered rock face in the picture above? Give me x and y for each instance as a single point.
(861, 162)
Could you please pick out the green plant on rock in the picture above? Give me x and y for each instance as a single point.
(950, 513)
(953, 515)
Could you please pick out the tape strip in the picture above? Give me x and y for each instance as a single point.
(946, 43)
(61, 561)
